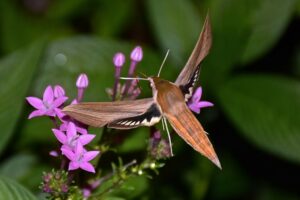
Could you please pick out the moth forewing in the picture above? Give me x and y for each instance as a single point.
(189, 129)
(98, 114)
(190, 73)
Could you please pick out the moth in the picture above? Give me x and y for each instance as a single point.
(168, 103)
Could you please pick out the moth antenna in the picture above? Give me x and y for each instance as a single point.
(163, 62)
(169, 136)
(133, 78)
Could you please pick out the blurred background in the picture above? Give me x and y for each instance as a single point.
(251, 75)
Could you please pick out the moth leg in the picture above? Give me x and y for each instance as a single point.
(169, 136)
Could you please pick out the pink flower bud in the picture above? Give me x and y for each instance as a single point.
(53, 153)
(137, 54)
(82, 81)
(119, 60)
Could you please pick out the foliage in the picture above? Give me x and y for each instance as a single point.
(251, 76)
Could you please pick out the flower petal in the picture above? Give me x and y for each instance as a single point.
(203, 104)
(79, 150)
(59, 101)
(59, 91)
(87, 167)
(35, 102)
(71, 130)
(90, 155)
(36, 113)
(85, 139)
(50, 113)
(48, 94)
(81, 130)
(59, 113)
(197, 95)
(62, 138)
(73, 165)
(63, 127)
(68, 153)
(194, 108)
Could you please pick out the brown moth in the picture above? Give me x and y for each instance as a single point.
(168, 103)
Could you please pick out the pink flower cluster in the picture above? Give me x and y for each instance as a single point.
(130, 89)
(72, 135)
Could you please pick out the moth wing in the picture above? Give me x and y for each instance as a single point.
(190, 130)
(150, 117)
(190, 73)
(98, 114)
(185, 123)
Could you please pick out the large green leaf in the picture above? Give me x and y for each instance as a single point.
(16, 73)
(267, 24)
(25, 169)
(17, 28)
(66, 8)
(266, 110)
(11, 190)
(230, 30)
(119, 16)
(176, 24)
(17, 166)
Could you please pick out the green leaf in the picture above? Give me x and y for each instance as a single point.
(241, 182)
(118, 15)
(65, 8)
(16, 73)
(25, 169)
(36, 133)
(230, 30)
(17, 166)
(268, 22)
(132, 188)
(176, 24)
(198, 177)
(266, 110)
(17, 28)
(11, 190)
(135, 141)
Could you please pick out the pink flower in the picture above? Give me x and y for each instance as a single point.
(80, 158)
(195, 104)
(47, 106)
(71, 139)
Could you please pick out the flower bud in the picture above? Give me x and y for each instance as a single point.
(136, 54)
(82, 81)
(119, 60)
